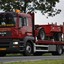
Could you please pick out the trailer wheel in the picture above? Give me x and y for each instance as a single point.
(57, 37)
(28, 49)
(41, 34)
(58, 51)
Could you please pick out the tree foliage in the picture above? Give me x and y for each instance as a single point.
(45, 6)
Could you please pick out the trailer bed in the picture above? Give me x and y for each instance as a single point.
(47, 42)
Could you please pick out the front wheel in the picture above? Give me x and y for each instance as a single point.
(28, 49)
(41, 34)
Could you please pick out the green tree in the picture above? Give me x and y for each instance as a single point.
(45, 6)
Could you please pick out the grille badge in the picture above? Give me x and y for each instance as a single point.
(2, 33)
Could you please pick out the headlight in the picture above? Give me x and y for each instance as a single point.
(15, 43)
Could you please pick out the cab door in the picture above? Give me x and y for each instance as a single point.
(24, 25)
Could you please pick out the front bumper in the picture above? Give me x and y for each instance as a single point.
(13, 50)
(10, 49)
(9, 46)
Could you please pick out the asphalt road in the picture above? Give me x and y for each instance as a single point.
(28, 58)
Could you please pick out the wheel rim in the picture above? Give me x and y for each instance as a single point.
(28, 49)
(60, 51)
(59, 37)
(42, 36)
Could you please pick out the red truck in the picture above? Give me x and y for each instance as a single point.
(18, 34)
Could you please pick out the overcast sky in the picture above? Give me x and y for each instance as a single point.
(40, 19)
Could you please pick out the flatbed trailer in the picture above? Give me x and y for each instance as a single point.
(46, 46)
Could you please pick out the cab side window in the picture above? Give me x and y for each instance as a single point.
(23, 21)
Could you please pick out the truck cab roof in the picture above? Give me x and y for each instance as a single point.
(15, 14)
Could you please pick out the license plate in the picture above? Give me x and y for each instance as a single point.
(1, 49)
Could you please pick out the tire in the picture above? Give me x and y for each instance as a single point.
(57, 37)
(58, 51)
(41, 35)
(28, 49)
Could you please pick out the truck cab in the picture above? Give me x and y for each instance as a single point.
(15, 28)
(17, 23)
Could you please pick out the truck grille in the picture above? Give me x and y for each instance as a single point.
(5, 43)
(7, 33)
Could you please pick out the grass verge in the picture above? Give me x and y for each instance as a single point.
(38, 62)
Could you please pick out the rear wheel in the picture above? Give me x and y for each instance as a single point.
(58, 51)
(41, 34)
(28, 49)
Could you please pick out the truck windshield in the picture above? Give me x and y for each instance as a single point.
(7, 19)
